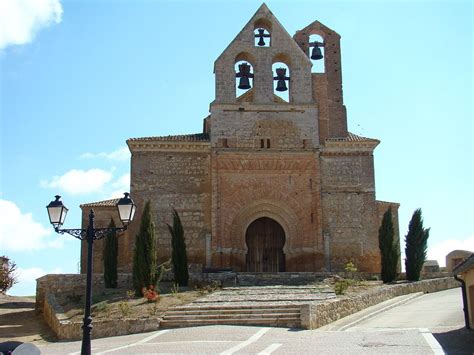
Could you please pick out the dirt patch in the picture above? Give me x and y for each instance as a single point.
(121, 303)
(20, 322)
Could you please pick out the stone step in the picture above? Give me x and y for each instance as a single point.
(270, 322)
(234, 311)
(237, 308)
(273, 315)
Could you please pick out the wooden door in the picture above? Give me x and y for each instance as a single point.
(265, 240)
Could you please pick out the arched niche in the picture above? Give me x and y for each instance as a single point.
(318, 65)
(262, 32)
(243, 65)
(281, 65)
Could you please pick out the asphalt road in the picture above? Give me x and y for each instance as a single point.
(403, 329)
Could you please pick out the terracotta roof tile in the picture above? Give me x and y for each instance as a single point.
(196, 137)
(351, 137)
(106, 203)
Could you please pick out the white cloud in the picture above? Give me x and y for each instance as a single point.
(20, 20)
(78, 182)
(18, 231)
(26, 280)
(32, 273)
(439, 250)
(121, 185)
(121, 154)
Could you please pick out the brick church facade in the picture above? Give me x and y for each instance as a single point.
(269, 185)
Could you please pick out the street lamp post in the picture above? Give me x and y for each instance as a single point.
(57, 214)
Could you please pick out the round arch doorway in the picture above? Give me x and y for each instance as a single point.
(265, 239)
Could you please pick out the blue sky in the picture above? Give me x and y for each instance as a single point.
(80, 77)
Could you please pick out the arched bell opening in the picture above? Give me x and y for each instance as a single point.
(281, 81)
(316, 53)
(243, 73)
(265, 240)
(262, 33)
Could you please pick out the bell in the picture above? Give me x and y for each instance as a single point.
(244, 74)
(244, 83)
(261, 42)
(316, 53)
(281, 85)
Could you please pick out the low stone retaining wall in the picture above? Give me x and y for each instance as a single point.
(69, 284)
(315, 315)
(64, 329)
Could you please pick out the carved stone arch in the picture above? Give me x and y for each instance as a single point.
(273, 209)
(248, 57)
(264, 39)
(282, 57)
(263, 23)
(280, 60)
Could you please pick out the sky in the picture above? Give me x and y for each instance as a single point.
(78, 78)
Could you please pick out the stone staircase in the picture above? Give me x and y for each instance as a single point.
(272, 306)
(262, 315)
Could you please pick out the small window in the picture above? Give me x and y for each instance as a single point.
(268, 143)
(262, 143)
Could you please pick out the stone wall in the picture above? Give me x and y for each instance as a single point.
(178, 179)
(350, 220)
(66, 330)
(102, 220)
(315, 315)
(283, 186)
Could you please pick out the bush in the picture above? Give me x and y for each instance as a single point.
(341, 286)
(8, 275)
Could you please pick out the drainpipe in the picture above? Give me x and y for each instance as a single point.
(464, 300)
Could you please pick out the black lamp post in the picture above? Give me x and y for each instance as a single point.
(57, 214)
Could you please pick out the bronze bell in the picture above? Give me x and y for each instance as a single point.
(281, 77)
(244, 83)
(281, 85)
(244, 74)
(316, 53)
(261, 42)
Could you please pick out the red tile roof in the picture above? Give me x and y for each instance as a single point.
(196, 137)
(106, 203)
(351, 137)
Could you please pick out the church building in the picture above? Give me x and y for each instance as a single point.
(275, 182)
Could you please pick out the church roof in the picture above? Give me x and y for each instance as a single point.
(351, 137)
(106, 203)
(195, 137)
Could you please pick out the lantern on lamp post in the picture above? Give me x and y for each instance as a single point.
(57, 215)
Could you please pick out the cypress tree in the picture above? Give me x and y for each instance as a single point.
(179, 256)
(389, 250)
(110, 253)
(144, 257)
(416, 246)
